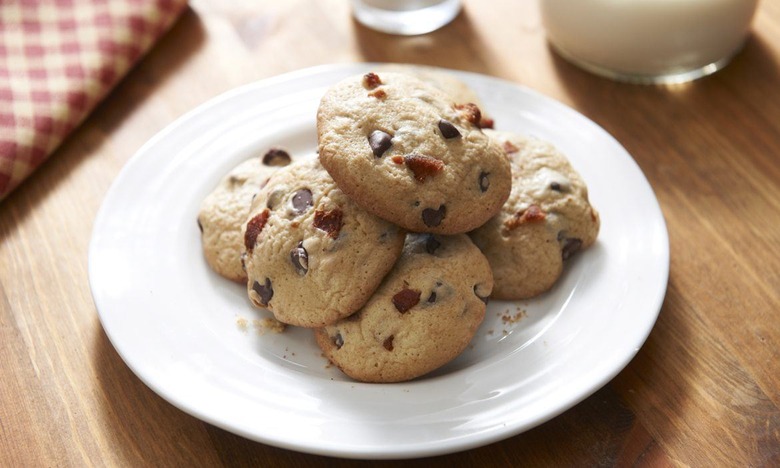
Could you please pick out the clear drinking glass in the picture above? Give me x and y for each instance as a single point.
(405, 17)
(648, 41)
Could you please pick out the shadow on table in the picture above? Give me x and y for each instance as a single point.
(162, 60)
(455, 44)
(687, 141)
(751, 78)
(142, 428)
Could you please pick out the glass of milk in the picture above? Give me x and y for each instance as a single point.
(405, 17)
(648, 41)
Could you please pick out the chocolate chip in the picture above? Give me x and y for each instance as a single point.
(338, 341)
(448, 130)
(432, 297)
(265, 291)
(431, 244)
(405, 299)
(300, 259)
(432, 218)
(200, 225)
(276, 157)
(570, 247)
(423, 166)
(388, 343)
(253, 229)
(302, 200)
(379, 142)
(484, 182)
(329, 221)
(483, 298)
(555, 186)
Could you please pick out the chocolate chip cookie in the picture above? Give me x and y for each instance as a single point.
(406, 152)
(224, 210)
(545, 221)
(312, 255)
(423, 315)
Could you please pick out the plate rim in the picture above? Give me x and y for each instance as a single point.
(439, 447)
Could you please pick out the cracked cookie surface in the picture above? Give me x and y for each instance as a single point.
(423, 315)
(459, 91)
(406, 152)
(545, 221)
(314, 256)
(224, 210)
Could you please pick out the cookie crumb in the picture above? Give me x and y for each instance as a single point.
(267, 324)
(242, 324)
(511, 319)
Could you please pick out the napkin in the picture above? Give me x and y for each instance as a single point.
(58, 59)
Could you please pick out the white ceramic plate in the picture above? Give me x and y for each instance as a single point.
(189, 334)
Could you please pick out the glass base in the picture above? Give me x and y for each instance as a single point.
(672, 77)
(406, 22)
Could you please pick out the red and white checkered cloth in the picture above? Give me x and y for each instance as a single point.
(58, 59)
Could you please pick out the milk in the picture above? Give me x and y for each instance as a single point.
(648, 40)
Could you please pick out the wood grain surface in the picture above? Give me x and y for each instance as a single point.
(703, 391)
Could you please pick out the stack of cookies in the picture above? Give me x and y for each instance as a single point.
(389, 243)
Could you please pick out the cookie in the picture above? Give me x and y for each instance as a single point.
(457, 90)
(545, 221)
(406, 153)
(224, 210)
(314, 256)
(423, 315)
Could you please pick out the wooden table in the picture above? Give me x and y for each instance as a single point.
(703, 391)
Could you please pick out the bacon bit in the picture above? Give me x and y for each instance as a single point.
(371, 80)
(406, 298)
(379, 94)
(510, 148)
(253, 228)
(471, 112)
(423, 166)
(329, 221)
(397, 159)
(486, 123)
(532, 214)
